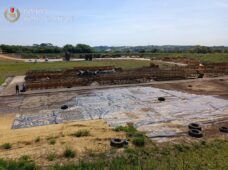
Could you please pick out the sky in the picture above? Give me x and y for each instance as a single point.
(116, 22)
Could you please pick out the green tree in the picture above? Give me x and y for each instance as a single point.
(83, 48)
(69, 48)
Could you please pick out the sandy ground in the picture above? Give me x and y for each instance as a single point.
(158, 62)
(4, 57)
(10, 88)
(23, 140)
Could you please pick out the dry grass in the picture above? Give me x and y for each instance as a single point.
(23, 142)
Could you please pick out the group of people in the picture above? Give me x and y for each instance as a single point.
(20, 89)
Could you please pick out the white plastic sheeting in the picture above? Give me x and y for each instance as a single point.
(138, 105)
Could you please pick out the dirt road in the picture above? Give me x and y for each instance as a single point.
(4, 57)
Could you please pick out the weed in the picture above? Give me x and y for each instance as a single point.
(51, 156)
(138, 141)
(37, 139)
(25, 158)
(7, 146)
(17, 165)
(81, 133)
(52, 141)
(69, 153)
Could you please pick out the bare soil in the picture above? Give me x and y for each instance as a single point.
(217, 87)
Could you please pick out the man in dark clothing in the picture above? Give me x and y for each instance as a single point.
(17, 89)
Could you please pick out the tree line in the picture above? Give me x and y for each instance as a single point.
(83, 48)
(46, 48)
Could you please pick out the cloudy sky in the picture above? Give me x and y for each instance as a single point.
(116, 22)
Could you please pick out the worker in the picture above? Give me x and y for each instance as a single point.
(23, 88)
(17, 89)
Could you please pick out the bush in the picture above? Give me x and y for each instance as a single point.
(6, 146)
(138, 141)
(69, 153)
(51, 156)
(81, 133)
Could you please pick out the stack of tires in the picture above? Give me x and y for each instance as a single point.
(223, 129)
(195, 130)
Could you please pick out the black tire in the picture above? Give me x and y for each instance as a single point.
(117, 142)
(161, 99)
(194, 126)
(223, 129)
(195, 133)
(64, 107)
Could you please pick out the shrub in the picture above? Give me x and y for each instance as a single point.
(52, 141)
(37, 139)
(24, 158)
(81, 133)
(6, 146)
(138, 141)
(120, 128)
(129, 129)
(69, 153)
(51, 156)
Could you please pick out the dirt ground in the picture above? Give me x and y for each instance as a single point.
(217, 87)
(210, 131)
(23, 140)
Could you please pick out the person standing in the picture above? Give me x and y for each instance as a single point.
(17, 89)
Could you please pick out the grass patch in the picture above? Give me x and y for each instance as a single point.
(81, 133)
(17, 165)
(13, 68)
(6, 146)
(210, 57)
(51, 156)
(52, 141)
(199, 155)
(129, 129)
(213, 155)
(137, 138)
(37, 139)
(25, 158)
(139, 141)
(69, 153)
